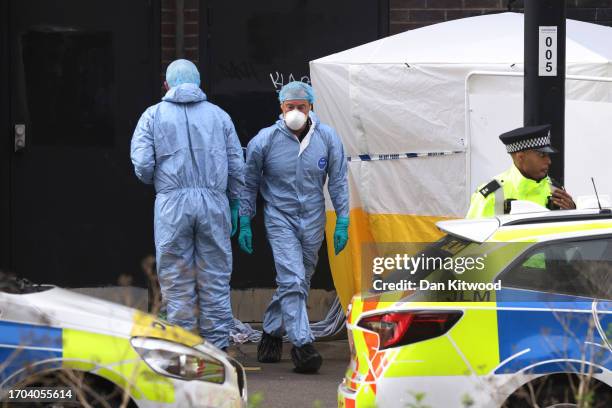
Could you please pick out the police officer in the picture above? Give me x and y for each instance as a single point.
(527, 179)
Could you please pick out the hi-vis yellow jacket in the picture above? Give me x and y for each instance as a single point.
(493, 198)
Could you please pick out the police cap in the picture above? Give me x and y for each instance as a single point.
(528, 138)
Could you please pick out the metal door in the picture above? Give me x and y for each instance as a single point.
(80, 73)
(248, 53)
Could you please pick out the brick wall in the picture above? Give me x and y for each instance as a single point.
(403, 15)
(409, 14)
(168, 32)
(592, 11)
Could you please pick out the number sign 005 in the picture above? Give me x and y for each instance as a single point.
(548, 51)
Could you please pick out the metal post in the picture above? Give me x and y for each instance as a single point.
(544, 86)
(179, 39)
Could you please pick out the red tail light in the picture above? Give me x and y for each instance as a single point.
(401, 328)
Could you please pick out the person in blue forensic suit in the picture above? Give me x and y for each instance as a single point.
(289, 163)
(188, 148)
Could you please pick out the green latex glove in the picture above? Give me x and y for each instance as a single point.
(234, 207)
(245, 237)
(341, 234)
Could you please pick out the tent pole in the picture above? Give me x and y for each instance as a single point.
(544, 86)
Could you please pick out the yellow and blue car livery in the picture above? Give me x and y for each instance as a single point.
(480, 351)
(52, 329)
(23, 344)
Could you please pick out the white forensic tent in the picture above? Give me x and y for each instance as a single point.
(399, 105)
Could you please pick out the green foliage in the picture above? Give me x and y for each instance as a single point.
(256, 400)
(467, 401)
(587, 400)
(419, 397)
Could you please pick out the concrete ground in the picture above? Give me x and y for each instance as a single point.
(277, 386)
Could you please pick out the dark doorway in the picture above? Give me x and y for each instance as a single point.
(79, 75)
(248, 52)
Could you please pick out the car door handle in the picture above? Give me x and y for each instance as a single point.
(20, 137)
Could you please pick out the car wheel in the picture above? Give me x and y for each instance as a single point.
(556, 391)
(96, 391)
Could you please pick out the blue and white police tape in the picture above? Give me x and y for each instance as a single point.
(397, 156)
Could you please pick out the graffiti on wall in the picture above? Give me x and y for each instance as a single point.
(279, 79)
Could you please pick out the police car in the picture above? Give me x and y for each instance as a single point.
(86, 349)
(531, 328)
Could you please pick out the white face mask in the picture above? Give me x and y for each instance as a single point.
(295, 119)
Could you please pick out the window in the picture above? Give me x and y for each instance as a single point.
(579, 267)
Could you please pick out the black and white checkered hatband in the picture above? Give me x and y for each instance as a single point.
(528, 144)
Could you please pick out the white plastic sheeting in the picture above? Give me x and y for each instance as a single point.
(330, 326)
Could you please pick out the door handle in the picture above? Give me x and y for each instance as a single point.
(20, 137)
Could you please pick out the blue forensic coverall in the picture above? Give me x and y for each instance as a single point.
(291, 176)
(189, 149)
